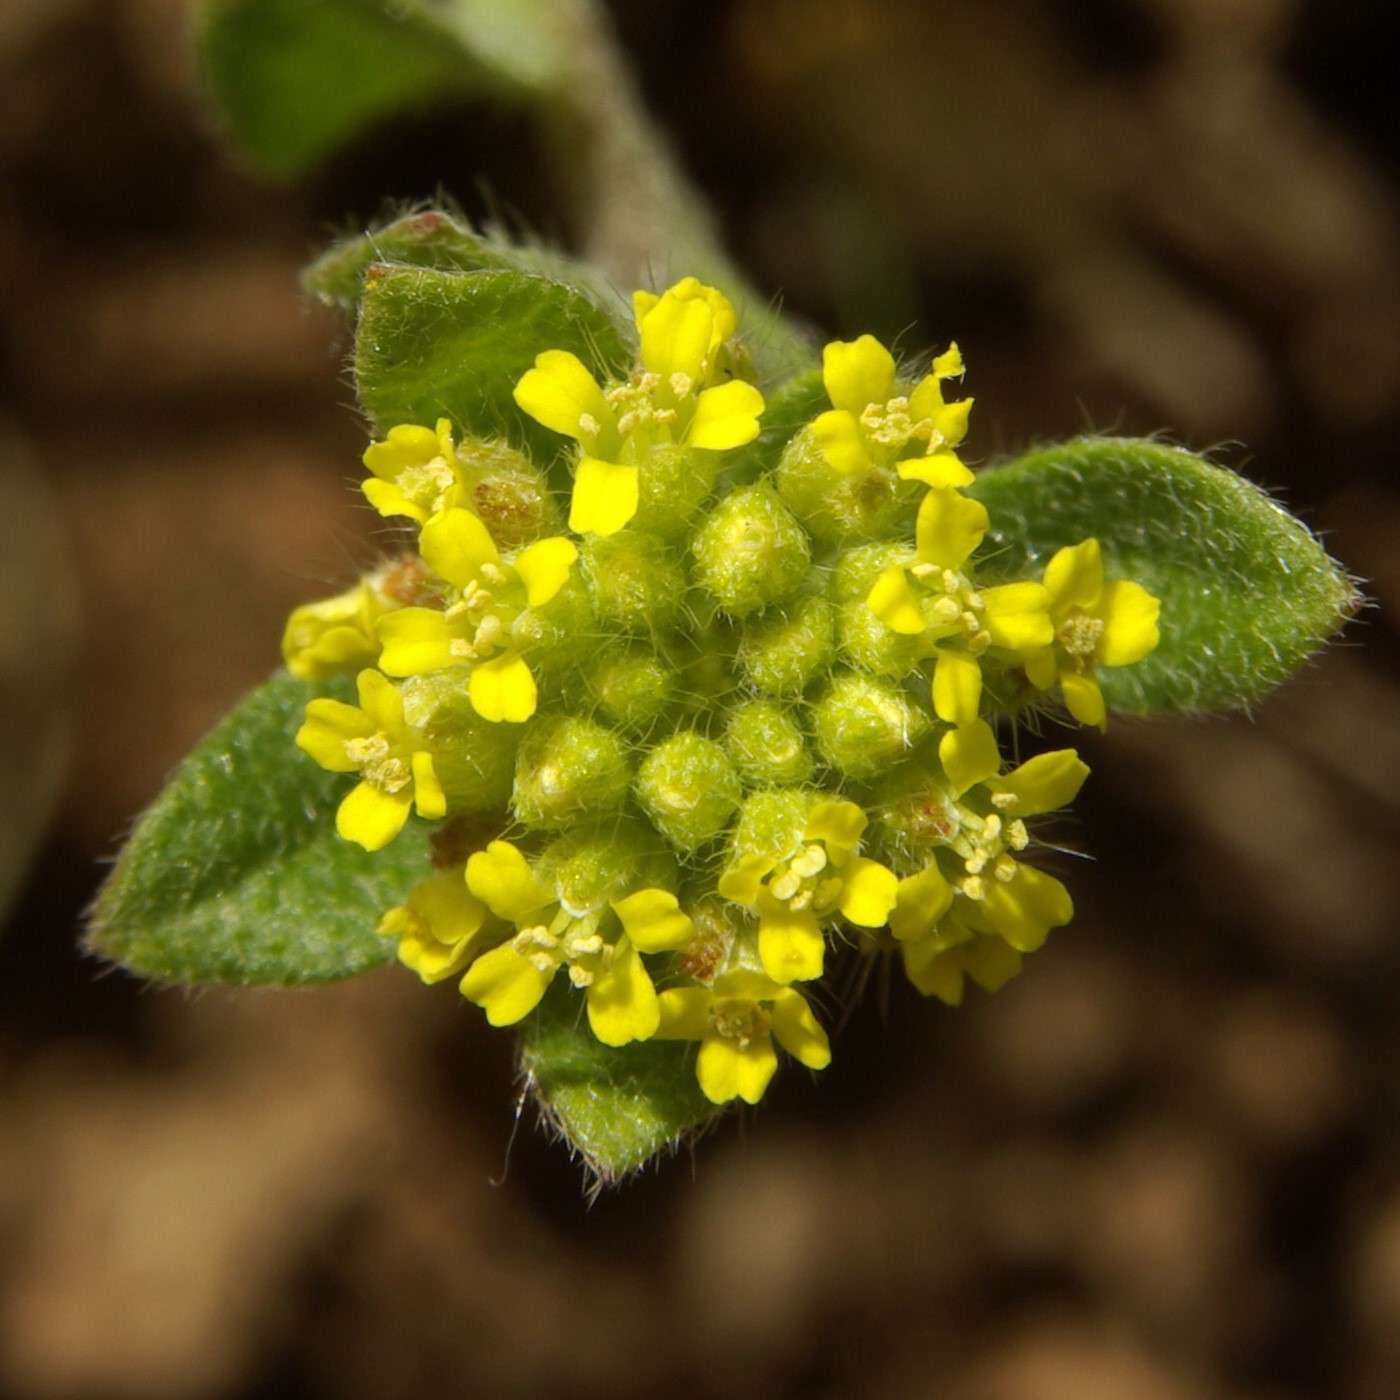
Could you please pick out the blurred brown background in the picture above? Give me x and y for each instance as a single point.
(1165, 1164)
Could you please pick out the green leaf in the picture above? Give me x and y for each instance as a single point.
(291, 80)
(455, 344)
(615, 1107)
(434, 238)
(1247, 593)
(236, 874)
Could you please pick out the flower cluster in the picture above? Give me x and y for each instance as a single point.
(691, 720)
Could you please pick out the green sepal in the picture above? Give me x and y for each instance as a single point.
(1247, 593)
(616, 1108)
(236, 875)
(290, 81)
(438, 239)
(431, 344)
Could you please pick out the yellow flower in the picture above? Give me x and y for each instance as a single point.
(396, 770)
(870, 425)
(933, 596)
(509, 981)
(672, 400)
(334, 635)
(736, 1021)
(436, 926)
(1096, 624)
(416, 471)
(475, 630)
(805, 883)
(972, 887)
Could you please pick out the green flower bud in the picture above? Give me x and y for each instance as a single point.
(765, 745)
(634, 581)
(508, 492)
(473, 758)
(836, 506)
(857, 569)
(568, 766)
(863, 725)
(750, 551)
(672, 488)
(631, 686)
(771, 822)
(689, 789)
(784, 652)
(597, 864)
(867, 642)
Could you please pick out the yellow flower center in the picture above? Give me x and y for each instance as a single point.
(958, 610)
(478, 616)
(575, 941)
(796, 882)
(634, 403)
(740, 1022)
(378, 764)
(1079, 635)
(891, 425)
(427, 484)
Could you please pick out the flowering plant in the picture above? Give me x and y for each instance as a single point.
(693, 676)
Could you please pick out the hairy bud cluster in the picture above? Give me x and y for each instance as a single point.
(684, 734)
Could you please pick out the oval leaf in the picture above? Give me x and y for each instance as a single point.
(236, 875)
(1247, 593)
(432, 344)
(292, 80)
(616, 1108)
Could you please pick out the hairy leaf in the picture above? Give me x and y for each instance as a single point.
(616, 1108)
(236, 874)
(291, 80)
(431, 344)
(1247, 593)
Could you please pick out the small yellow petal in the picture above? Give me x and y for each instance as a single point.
(797, 1030)
(415, 641)
(505, 985)
(868, 892)
(836, 822)
(727, 1072)
(501, 878)
(790, 943)
(654, 920)
(922, 900)
(503, 689)
(949, 527)
(604, 498)
(935, 973)
(408, 445)
(940, 469)
(372, 818)
(1018, 616)
(684, 1013)
(622, 1003)
(957, 686)
(1130, 631)
(676, 337)
(455, 544)
(1084, 698)
(1044, 783)
(389, 500)
(725, 416)
(857, 373)
(560, 393)
(428, 796)
(969, 755)
(1074, 576)
(329, 725)
(838, 435)
(990, 962)
(895, 603)
(1024, 909)
(742, 882)
(544, 568)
